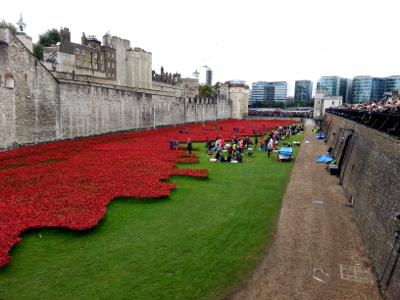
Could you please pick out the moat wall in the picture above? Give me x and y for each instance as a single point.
(36, 107)
(370, 176)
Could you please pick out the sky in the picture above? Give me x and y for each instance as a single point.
(247, 40)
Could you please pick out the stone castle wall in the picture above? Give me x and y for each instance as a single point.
(41, 108)
(370, 174)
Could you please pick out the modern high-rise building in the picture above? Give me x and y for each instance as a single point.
(303, 90)
(335, 85)
(209, 76)
(392, 83)
(269, 91)
(367, 88)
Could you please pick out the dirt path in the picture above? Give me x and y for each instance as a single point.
(313, 236)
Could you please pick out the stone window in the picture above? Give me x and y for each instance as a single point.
(101, 56)
(77, 50)
(113, 65)
(319, 102)
(95, 55)
(83, 63)
(108, 54)
(108, 74)
(9, 80)
(113, 75)
(95, 66)
(101, 67)
(108, 64)
(187, 86)
(77, 62)
(112, 55)
(83, 52)
(90, 65)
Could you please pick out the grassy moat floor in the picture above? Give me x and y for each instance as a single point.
(200, 242)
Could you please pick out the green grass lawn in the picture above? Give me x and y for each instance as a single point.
(198, 243)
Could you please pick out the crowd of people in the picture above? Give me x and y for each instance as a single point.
(282, 114)
(234, 150)
(389, 105)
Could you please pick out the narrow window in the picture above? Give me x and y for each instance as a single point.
(83, 63)
(108, 64)
(83, 52)
(108, 54)
(112, 55)
(101, 67)
(101, 56)
(95, 55)
(113, 65)
(26, 78)
(77, 51)
(90, 65)
(113, 75)
(9, 80)
(108, 74)
(95, 66)
(77, 62)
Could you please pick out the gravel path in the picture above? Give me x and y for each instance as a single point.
(313, 236)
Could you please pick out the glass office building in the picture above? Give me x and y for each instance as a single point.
(362, 89)
(378, 88)
(367, 88)
(392, 83)
(269, 91)
(303, 90)
(336, 86)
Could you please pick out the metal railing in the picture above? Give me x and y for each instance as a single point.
(385, 122)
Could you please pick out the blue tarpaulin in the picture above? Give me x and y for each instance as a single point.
(320, 136)
(286, 151)
(325, 158)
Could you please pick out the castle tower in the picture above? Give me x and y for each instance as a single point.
(21, 35)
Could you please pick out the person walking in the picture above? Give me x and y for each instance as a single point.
(256, 142)
(171, 145)
(187, 130)
(176, 145)
(189, 146)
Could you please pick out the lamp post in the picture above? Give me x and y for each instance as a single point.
(154, 109)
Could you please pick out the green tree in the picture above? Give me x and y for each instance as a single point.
(50, 37)
(217, 85)
(38, 51)
(206, 90)
(4, 24)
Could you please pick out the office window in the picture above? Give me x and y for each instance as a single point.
(83, 52)
(77, 51)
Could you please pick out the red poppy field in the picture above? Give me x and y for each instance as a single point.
(70, 183)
